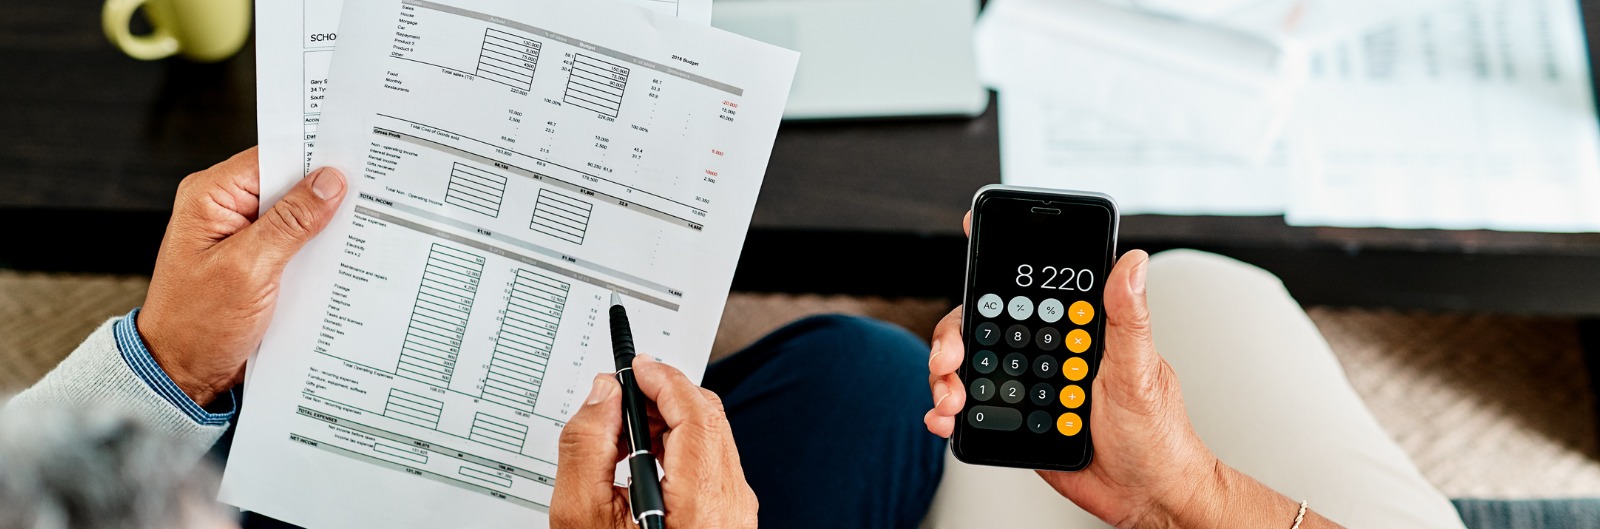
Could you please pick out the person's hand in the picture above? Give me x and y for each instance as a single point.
(1148, 461)
(702, 483)
(216, 277)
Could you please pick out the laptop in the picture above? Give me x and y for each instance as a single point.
(869, 58)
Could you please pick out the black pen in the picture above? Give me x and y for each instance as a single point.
(644, 487)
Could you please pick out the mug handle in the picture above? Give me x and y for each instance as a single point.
(114, 19)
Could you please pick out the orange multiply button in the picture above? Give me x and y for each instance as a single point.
(1078, 341)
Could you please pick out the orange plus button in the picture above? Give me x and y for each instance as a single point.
(1075, 368)
(1078, 341)
(1081, 313)
(1069, 424)
(1072, 397)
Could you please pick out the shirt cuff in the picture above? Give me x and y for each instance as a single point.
(131, 345)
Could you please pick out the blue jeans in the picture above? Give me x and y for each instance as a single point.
(827, 415)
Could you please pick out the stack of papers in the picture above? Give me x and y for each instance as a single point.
(511, 164)
(1471, 114)
(1170, 79)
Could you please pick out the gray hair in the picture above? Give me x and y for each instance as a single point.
(96, 469)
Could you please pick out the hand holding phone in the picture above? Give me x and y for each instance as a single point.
(1032, 326)
(1144, 459)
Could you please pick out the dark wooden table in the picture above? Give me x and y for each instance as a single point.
(92, 145)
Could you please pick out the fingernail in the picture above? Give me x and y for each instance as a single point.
(943, 392)
(326, 184)
(938, 349)
(645, 358)
(1136, 279)
(602, 390)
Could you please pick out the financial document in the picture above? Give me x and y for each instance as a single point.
(1477, 115)
(1046, 144)
(294, 43)
(511, 163)
(1171, 80)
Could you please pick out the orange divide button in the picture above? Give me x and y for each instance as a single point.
(1081, 313)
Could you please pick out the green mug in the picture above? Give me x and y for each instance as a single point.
(199, 30)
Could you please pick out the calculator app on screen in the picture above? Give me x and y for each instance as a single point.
(1032, 325)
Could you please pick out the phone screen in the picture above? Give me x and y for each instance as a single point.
(1033, 322)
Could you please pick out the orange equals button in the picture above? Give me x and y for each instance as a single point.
(1069, 424)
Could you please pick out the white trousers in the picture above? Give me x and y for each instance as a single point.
(1265, 393)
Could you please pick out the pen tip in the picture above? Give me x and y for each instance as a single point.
(616, 299)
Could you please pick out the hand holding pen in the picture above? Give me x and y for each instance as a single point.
(644, 489)
(702, 484)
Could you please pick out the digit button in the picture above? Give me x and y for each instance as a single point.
(982, 389)
(1044, 366)
(1040, 395)
(1048, 339)
(994, 418)
(1011, 392)
(1015, 364)
(987, 333)
(1018, 336)
(984, 362)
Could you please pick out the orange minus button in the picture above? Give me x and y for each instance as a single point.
(1075, 368)
(1069, 424)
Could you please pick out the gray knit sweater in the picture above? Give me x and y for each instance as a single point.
(96, 375)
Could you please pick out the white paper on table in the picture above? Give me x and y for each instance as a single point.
(1478, 115)
(1045, 145)
(1307, 21)
(294, 43)
(1169, 79)
(428, 346)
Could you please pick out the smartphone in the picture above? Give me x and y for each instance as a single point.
(1032, 320)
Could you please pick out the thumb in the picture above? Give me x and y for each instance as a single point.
(294, 220)
(587, 455)
(1130, 351)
